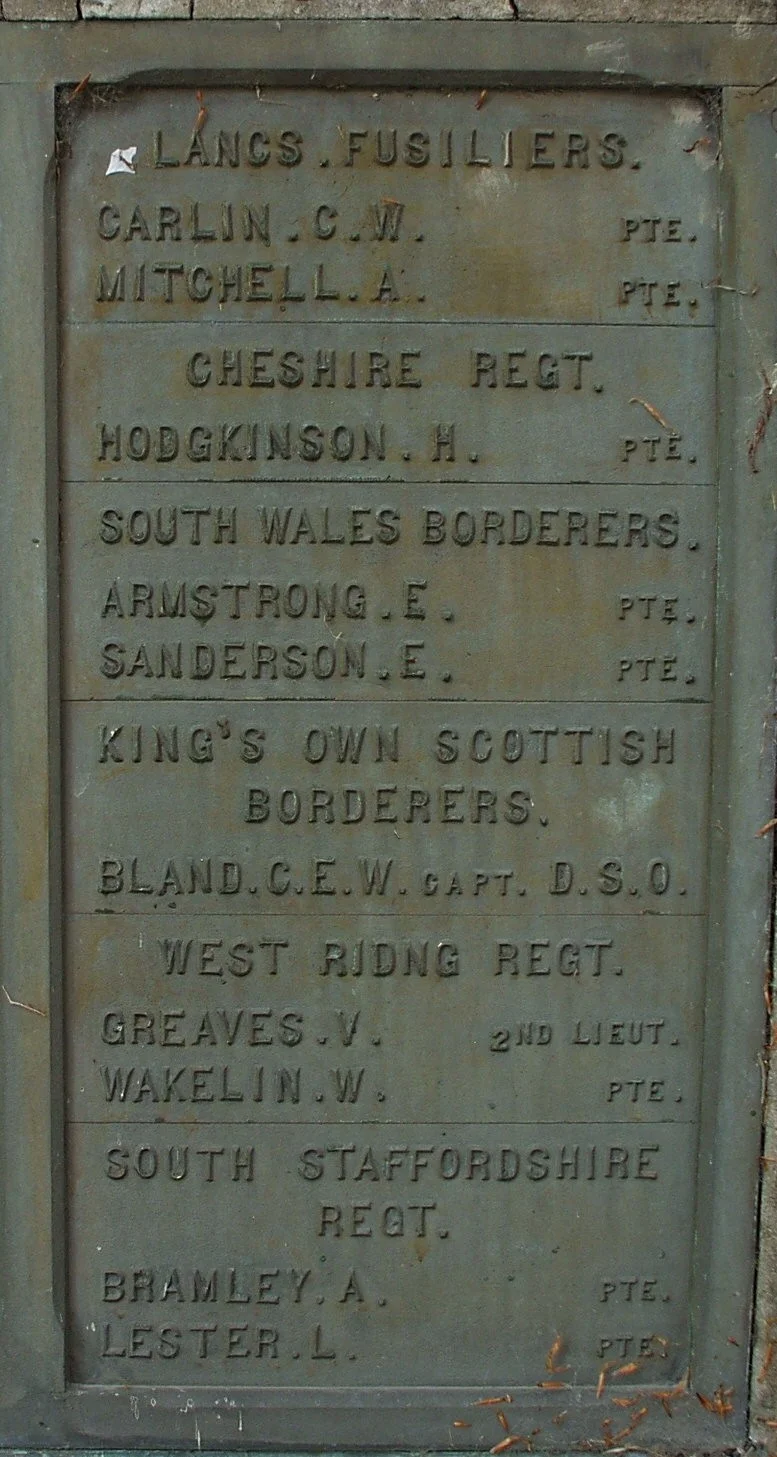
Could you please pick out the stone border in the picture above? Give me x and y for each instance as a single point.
(744, 14)
(739, 12)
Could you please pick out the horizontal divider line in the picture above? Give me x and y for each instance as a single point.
(345, 703)
(637, 1124)
(255, 914)
(398, 482)
(450, 915)
(354, 320)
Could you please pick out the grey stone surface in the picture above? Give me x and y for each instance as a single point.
(731, 11)
(355, 9)
(741, 12)
(39, 10)
(135, 9)
(612, 10)
(764, 1377)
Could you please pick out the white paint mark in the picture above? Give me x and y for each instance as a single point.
(612, 50)
(687, 113)
(135, 1407)
(197, 1435)
(122, 160)
(625, 811)
(605, 48)
(25, 1006)
(486, 183)
(705, 154)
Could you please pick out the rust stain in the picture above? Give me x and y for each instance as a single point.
(510, 1442)
(652, 411)
(764, 416)
(603, 1374)
(202, 114)
(79, 89)
(720, 1402)
(629, 1369)
(770, 1343)
(551, 1360)
(674, 1393)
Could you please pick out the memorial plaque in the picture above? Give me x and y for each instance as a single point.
(410, 523)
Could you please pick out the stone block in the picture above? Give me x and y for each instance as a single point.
(741, 12)
(135, 9)
(353, 9)
(39, 10)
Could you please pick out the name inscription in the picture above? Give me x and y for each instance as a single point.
(388, 550)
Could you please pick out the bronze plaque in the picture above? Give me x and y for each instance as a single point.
(388, 547)
(396, 760)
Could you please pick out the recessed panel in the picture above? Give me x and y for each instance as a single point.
(389, 528)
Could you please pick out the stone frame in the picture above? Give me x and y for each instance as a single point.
(37, 1407)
